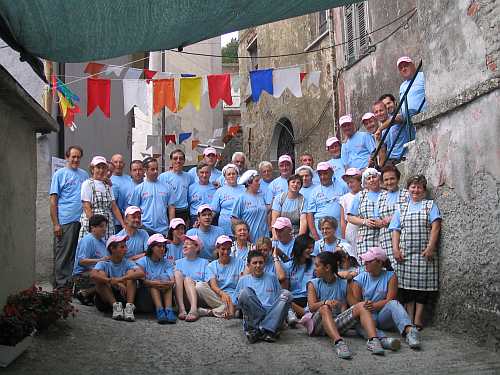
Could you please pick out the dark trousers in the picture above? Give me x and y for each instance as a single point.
(64, 253)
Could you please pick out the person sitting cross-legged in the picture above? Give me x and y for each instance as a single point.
(159, 278)
(263, 303)
(115, 280)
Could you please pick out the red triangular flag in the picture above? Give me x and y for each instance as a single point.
(148, 74)
(54, 84)
(302, 76)
(169, 138)
(94, 68)
(99, 95)
(219, 87)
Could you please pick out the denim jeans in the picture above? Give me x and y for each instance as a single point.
(393, 315)
(256, 317)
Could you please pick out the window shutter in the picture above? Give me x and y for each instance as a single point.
(362, 30)
(349, 33)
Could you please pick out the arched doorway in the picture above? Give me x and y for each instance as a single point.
(285, 138)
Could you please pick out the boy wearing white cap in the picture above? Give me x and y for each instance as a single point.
(210, 159)
(280, 184)
(358, 147)
(137, 238)
(115, 280)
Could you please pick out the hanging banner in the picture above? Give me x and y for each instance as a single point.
(219, 87)
(169, 138)
(261, 80)
(190, 92)
(135, 93)
(94, 69)
(288, 78)
(195, 143)
(99, 95)
(183, 137)
(164, 95)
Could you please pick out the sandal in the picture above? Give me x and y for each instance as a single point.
(182, 315)
(192, 317)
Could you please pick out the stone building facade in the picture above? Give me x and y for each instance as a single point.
(457, 143)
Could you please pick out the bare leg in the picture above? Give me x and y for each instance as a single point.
(419, 312)
(299, 310)
(366, 319)
(329, 323)
(190, 287)
(131, 289)
(105, 293)
(155, 296)
(167, 298)
(179, 294)
(410, 309)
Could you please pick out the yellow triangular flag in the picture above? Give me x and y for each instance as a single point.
(63, 103)
(190, 92)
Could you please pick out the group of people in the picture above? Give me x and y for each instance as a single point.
(331, 248)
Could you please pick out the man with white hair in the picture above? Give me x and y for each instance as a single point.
(239, 159)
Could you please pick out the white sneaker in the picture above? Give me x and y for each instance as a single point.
(129, 312)
(117, 311)
(292, 319)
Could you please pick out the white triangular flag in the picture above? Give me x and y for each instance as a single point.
(135, 92)
(152, 141)
(204, 85)
(288, 78)
(235, 82)
(313, 78)
(133, 73)
(112, 69)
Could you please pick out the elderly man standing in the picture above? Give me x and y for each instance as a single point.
(280, 184)
(123, 187)
(65, 212)
(359, 146)
(210, 158)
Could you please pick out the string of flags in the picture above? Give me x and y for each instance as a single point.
(173, 91)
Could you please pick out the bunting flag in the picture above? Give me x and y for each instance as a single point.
(135, 93)
(53, 81)
(115, 70)
(148, 74)
(99, 95)
(302, 76)
(184, 136)
(152, 141)
(288, 78)
(164, 95)
(313, 78)
(133, 73)
(194, 143)
(190, 92)
(94, 69)
(261, 80)
(169, 138)
(219, 87)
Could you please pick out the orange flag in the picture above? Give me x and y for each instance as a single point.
(94, 69)
(194, 143)
(164, 95)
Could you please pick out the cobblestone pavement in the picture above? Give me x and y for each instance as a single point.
(93, 343)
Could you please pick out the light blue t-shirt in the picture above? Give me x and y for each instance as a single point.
(198, 195)
(89, 247)
(112, 269)
(196, 269)
(252, 210)
(306, 192)
(315, 178)
(174, 252)
(325, 201)
(67, 184)
(434, 214)
(393, 197)
(215, 175)
(136, 244)
(372, 196)
(321, 245)
(208, 238)
(392, 139)
(298, 275)
(356, 150)
(286, 248)
(153, 199)
(330, 291)
(415, 96)
(123, 187)
(226, 275)
(223, 202)
(179, 183)
(289, 205)
(269, 265)
(277, 186)
(161, 270)
(267, 288)
(338, 167)
(374, 288)
(264, 190)
(241, 253)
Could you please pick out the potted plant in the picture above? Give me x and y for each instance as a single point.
(25, 313)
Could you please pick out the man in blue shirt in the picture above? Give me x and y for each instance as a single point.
(334, 147)
(280, 184)
(137, 238)
(263, 302)
(210, 158)
(416, 95)
(358, 147)
(65, 212)
(123, 187)
(154, 199)
(200, 192)
(137, 172)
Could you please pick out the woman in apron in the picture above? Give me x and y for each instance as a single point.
(415, 233)
(97, 198)
(291, 205)
(364, 212)
(391, 199)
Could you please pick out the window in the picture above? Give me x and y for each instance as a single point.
(322, 21)
(355, 31)
(252, 51)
